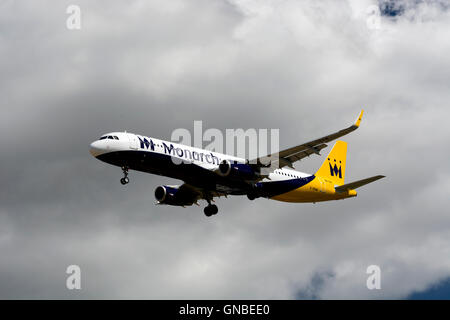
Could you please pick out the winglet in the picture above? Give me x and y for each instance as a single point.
(358, 120)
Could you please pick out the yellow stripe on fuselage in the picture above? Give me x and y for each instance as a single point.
(319, 189)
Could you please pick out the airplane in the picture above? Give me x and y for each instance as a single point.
(207, 175)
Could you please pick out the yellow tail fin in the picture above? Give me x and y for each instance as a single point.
(333, 168)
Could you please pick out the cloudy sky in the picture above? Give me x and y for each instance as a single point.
(305, 67)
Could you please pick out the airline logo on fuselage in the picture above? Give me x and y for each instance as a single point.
(183, 153)
(145, 143)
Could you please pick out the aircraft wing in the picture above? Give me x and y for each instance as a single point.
(200, 193)
(288, 156)
(188, 194)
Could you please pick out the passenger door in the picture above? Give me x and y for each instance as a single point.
(134, 142)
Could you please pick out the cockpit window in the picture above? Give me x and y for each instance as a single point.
(109, 137)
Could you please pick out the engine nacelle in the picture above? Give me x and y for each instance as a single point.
(174, 196)
(224, 168)
(236, 170)
(166, 195)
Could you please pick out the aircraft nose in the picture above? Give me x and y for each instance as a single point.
(95, 148)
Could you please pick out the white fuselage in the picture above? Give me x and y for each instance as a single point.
(177, 153)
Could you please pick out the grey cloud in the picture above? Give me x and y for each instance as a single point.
(151, 67)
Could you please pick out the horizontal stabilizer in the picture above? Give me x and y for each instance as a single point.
(357, 184)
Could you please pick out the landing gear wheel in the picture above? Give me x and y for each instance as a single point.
(207, 211)
(125, 179)
(210, 210)
(251, 196)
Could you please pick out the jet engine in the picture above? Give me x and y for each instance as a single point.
(172, 195)
(236, 170)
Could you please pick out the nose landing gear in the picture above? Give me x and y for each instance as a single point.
(125, 179)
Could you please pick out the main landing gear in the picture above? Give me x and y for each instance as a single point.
(210, 209)
(251, 196)
(125, 178)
